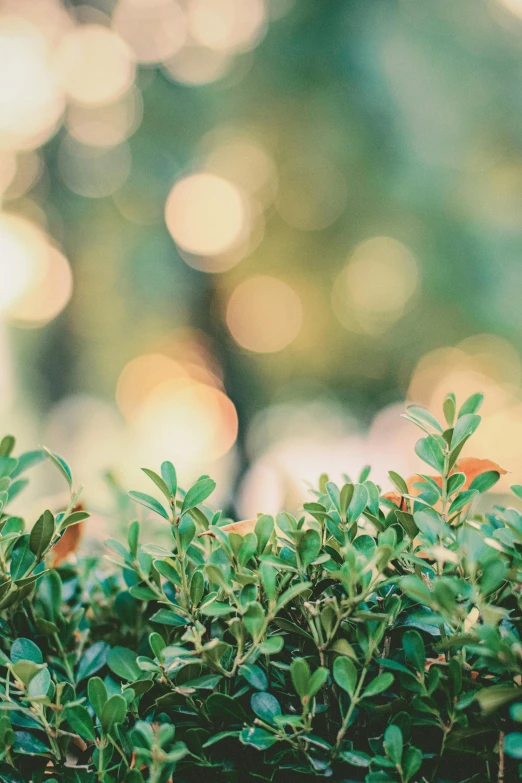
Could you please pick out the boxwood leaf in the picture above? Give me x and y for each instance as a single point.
(42, 533)
(80, 721)
(198, 493)
(93, 659)
(149, 502)
(113, 712)
(381, 683)
(122, 662)
(265, 706)
(259, 738)
(345, 674)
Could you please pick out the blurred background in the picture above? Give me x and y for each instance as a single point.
(239, 234)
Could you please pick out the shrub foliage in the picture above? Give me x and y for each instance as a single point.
(375, 638)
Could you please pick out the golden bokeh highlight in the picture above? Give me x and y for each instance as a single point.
(264, 314)
(226, 25)
(31, 98)
(178, 406)
(154, 29)
(206, 215)
(191, 421)
(36, 278)
(141, 376)
(95, 65)
(372, 291)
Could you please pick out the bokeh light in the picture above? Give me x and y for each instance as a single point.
(95, 65)
(196, 65)
(36, 277)
(264, 314)
(31, 99)
(206, 215)
(226, 25)
(373, 289)
(154, 29)
(176, 406)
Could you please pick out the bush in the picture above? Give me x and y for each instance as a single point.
(376, 638)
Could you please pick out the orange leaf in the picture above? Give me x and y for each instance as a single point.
(69, 541)
(67, 544)
(242, 528)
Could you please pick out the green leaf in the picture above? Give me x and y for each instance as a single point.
(414, 650)
(423, 415)
(464, 428)
(272, 645)
(122, 662)
(393, 743)
(254, 619)
(168, 473)
(97, 693)
(472, 404)
(42, 534)
(259, 738)
(61, 464)
(93, 659)
(291, 593)
(449, 406)
(39, 685)
(309, 547)
(381, 683)
(316, 681)
(167, 617)
(224, 708)
(255, 676)
(356, 758)
(187, 531)
(263, 530)
(430, 452)
(73, 519)
(265, 706)
(158, 482)
(80, 721)
(485, 481)
(198, 493)
(358, 502)
(300, 674)
(22, 559)
(149, 502)
(216, 609)
(411, 763)
(345, 674)
(516, 489)
(346, 498)
(26, 650)
(113, 712)
(399, 482)
(27, 744)
(197, 587)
